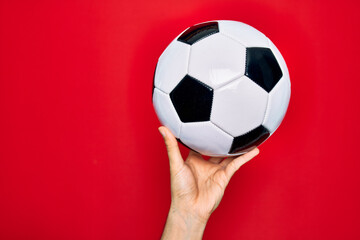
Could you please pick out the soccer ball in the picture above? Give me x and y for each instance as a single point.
(221, 87)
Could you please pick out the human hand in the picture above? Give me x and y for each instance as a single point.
(197, 187)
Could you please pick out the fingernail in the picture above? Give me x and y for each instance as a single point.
(161, 132)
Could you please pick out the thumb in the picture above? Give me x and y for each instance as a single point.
(237, 162)
(175, 158)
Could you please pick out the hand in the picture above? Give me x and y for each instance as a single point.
(197, 187)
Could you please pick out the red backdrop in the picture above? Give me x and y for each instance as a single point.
(80, 153)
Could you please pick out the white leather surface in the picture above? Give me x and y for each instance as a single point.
(278, 103)
(166, 112)
(216, 60)
(243, 33)
(206, 138)
(172, 66)
(239, 106)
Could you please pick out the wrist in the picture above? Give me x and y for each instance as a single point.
(186, 215)
(182, 224)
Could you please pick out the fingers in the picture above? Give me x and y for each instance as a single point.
(194, 155)
(236, 163)
(175, 159)
(226, 161)
(215, 160)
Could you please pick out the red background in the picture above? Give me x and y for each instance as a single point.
(80, 153)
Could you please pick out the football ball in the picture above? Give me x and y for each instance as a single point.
(221, 87)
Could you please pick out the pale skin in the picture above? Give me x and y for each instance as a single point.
(197, 187)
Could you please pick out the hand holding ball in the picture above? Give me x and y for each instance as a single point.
(221, 87)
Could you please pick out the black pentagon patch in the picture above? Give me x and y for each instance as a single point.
(249, 140)
(262, 67)
(198, 32)
(192, 100)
